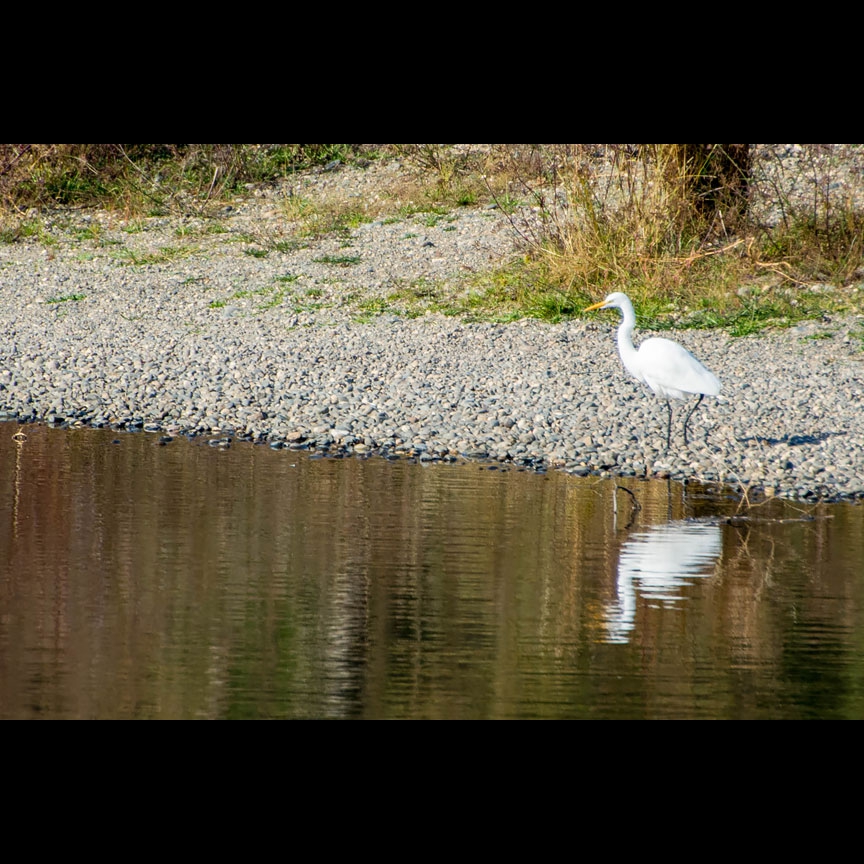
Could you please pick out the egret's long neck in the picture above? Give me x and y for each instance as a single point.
(625, 341)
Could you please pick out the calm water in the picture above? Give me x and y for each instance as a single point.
(182, 581)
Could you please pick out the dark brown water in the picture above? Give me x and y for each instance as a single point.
(181, 581)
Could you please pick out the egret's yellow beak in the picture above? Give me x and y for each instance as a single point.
(599, 305)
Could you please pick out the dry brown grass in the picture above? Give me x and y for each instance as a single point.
(666, 225)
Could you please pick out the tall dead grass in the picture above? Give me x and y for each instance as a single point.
(688, 224)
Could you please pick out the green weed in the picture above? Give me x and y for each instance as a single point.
(66, 298)
(163, 255)
(88, 232)
(275, 299)
(338, 260)
(373, 308)
(28, 229)
(287, 246)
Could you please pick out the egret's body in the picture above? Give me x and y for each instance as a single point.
(669, 369)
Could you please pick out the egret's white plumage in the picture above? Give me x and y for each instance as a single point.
(668, 368)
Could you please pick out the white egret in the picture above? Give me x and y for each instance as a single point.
(669, 369)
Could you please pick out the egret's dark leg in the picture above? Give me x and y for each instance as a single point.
(669, 426)
(690, 414)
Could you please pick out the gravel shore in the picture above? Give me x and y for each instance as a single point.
(177, 326)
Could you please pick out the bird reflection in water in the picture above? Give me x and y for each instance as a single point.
(656, 565)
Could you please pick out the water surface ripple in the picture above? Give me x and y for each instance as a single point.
(187, 581)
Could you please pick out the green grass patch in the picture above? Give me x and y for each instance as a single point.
(285, 159)
(256, 253)
(28, 229)
(297, 308)
(374, 307)
(508, 204)
(466, 196)
(338, 260)
(277, 298)
(428, 209)
(88, 232)
(288, 246)
(333, 220)
(163, 255)
(66, 298)
(269, 296)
